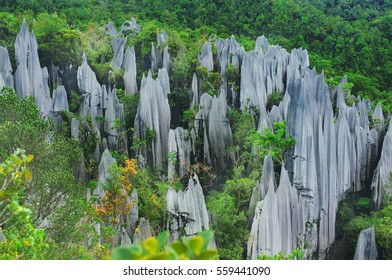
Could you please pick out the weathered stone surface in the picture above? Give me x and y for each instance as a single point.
(30, 78)
(6, 78)
(91, 89)
(60, 100)
(75, 128)
(381, 184)
(118, 45)
(130, 26)
(194, 93)
(107, 161)
(179, 152)
(211, 120)
(275, 224)
(110, 29)
(166, 63)
(205, 57)
(187, 209)
(163, 77)
(153, 116)
(366, 245)
(129, 65)
(113, 110)
(125, 239)
(143, 231)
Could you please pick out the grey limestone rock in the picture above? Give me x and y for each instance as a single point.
(166, 63)
(129, 65)
(118, 45)
(163, 77)
(179, 152)
(6, 78)
(60, 100)
(205, 57)
(381, 184)
(194, 93)
(75, 128)
(125, 239)
(153, 115)
(130, 26)
(366, 245)
(107, 161)
(30, 78)
(91, 90)
(187, 209)
(211, 120)
(110, 29)
(142, 232)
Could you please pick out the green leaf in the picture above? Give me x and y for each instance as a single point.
(208, 255)
(178, 247)
(122, 253)
(162, 239)
(196, 244)
(207, 236)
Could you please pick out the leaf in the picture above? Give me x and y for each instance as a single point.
(208, 255)
(207, 235)
(196, 244)
(122, 253)
(30, 158)
(151, 245)
(27, 174)
(1, 170)
(178, 247)
(162, 238)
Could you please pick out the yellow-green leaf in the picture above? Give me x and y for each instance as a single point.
(151, 245)
(30, 158)
(196, 244)
(27, 174)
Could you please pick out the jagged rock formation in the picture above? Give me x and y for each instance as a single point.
(265, 70)
(60, 100)
(6, 78)
(211, 121)
(279, 221)
(118, 45)
(142, 232)
(187, 209)
(107, 161)
(110, 29)
(130, 26)
(329, 158)
(129, 65)
(366, 245)
(152, 122)
(180, 148)
(229, 52)
(381, 184)
(30, 78)
(91, 90)
(205, 57)
(114, 110)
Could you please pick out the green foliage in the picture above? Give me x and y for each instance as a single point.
(273, 99)
(273, 143)
(54, 34)
(23, 240)
(151, 134)
(296, 254)
(211, 80)
(230, 209)
(187, 248)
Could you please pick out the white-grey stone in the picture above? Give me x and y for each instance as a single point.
(366, 245)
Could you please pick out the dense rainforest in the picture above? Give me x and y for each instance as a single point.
(154, 124)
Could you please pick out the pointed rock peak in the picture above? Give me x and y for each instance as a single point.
(24, 27)
(262, 44)
(378, 114)
(84, 58)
